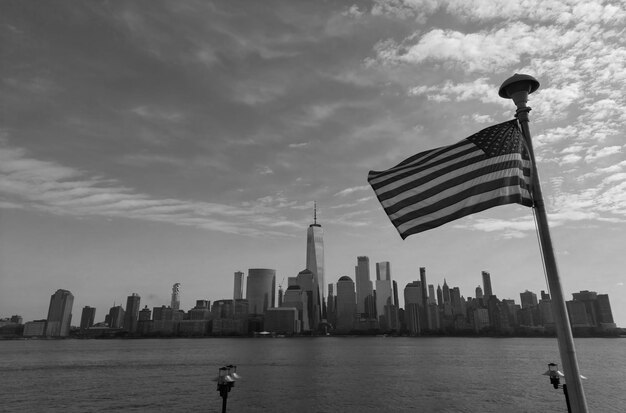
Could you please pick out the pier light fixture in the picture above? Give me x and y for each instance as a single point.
(555, 380)
(226, 378)
(554, 374)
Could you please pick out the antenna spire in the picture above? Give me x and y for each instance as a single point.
(314, 212)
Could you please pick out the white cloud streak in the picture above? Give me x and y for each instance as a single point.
(28, 183)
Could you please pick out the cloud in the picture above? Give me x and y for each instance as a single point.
(29, 183)
(416, 10)
(154, 113)
(353, 189)
(594, 153)
(507, 228)
(264, 170)
(479, 89)
(570, 158)
(299, 145)
(486, 51)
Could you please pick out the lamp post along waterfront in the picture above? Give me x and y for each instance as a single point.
(518, 87)
(226, 378)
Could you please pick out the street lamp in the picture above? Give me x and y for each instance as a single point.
(226, 378)
(555, 380)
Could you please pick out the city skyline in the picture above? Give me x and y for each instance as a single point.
(423, 292)
(139, 150)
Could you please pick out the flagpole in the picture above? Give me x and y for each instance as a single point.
(518, 87)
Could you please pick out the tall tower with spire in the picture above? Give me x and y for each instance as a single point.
(315, 263)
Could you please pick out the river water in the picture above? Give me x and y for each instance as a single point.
(326, 374)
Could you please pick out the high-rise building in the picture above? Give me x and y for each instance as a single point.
(202, 310)
(446, 292)
(315, 262)
(413, 303)
(546, 317)
(456, 301)
(395, 294)
(426, 321)
(296, 298)
(590, 309)
(384, 293)
(261, 290)
(145, 314)
(487, 285)
(306, 281)
(528, 299)
(383, 271)
(131, 316)
(60, 314)
(238, 293)
(439, 295)
(87, 317)
(605, 315)
(413, 293)
(116, 317)
(432, 298)
(479, 293)
(175, 297)
(331, 304)
(364, 289)
(346, 305)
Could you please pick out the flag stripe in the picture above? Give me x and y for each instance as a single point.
(416, 227)
(379, 179)
(458, 195)
(423, 158)
(437, 186)
(430, 185)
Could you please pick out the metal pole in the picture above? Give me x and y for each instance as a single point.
(517, 88)
(569, 407)
(224, 393)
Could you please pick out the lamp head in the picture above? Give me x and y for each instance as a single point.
(518, 87)
(554, 375)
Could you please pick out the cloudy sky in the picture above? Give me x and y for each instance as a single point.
(146, 143)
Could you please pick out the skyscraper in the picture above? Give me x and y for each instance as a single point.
(306, 281)
(261, 290)
(487, 285)
(131, 317)
(364, 287)
(346, 305)
(330, 304)
(384, 293)
(175, 297)
(446, 292)
(60, 314)
(87, 317)
(238, 293)
(427, 324)
(439, 295)
(479, 292)
(315, 261)
(528, 299)
(383, 270)
(116, 317)
(412, 305)
(432, 298)
(297, 298)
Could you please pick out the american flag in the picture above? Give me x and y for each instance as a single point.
(488, 169)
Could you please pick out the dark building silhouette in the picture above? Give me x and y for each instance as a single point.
(59, 314)
(131, 316)
(87, 317)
